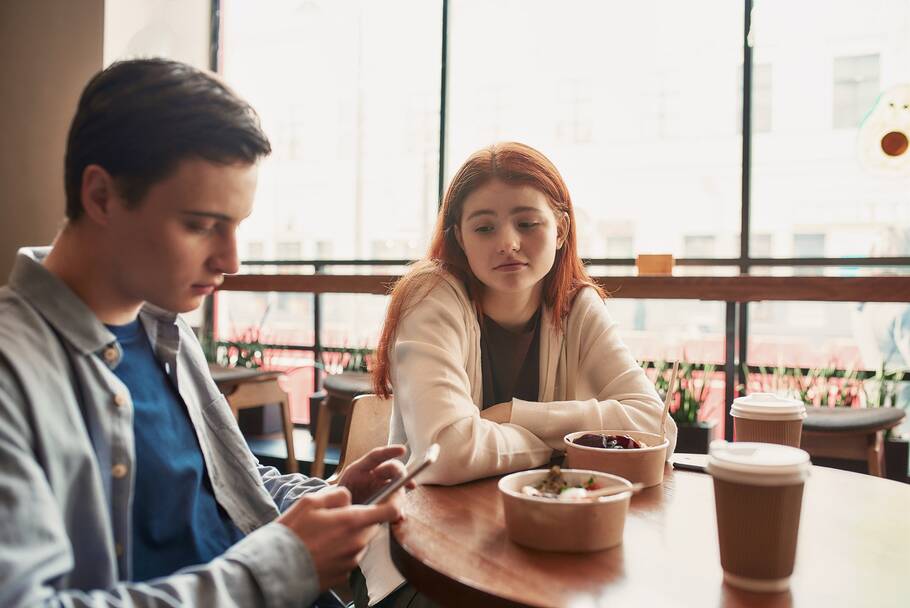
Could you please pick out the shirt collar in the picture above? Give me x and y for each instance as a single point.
(70, 317)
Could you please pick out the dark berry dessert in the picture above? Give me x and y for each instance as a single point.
(607, 442)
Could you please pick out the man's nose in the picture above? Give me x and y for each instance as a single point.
(226, 260)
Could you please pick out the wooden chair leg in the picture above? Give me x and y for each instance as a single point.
(322, 441)
(289, 436)
(875, 454)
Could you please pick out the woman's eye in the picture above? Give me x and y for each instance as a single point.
(529, 224)
(483, 229)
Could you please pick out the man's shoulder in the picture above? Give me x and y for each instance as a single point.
(29, 348)
(22, 328)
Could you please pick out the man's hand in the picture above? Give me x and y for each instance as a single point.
(335, 532)
(501, 413)
(367, 475)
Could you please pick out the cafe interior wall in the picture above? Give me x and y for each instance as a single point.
(48, 50)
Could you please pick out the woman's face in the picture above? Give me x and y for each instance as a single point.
(510, 236)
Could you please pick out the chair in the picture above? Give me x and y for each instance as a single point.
(341, 389)
(849, 433)
(245, 388)
(367, 427)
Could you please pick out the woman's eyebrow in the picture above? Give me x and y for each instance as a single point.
(514, 211)
(523, 210)
(481, 212)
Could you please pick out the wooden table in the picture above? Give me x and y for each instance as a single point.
(854, 549)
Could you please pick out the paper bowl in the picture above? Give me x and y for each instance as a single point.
(550, 524)
(644, 465)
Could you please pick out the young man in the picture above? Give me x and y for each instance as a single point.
(123, 477)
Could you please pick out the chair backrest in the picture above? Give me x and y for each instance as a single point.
(255, 393)
(367, 427)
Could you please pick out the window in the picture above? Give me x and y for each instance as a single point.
(353, 113)
(288, 251)
(620, 247)
(700, 246)
(806, 177)
(640, 109)
(587, 83)
(761, 98)
(856, 86)
(255, 250)
(808, 245)
(575, 112)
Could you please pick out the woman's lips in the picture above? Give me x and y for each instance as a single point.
(511, 266)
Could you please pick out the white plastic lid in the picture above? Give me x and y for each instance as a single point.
(758, 464)
(767, 406)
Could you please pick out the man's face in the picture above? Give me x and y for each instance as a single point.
(176, 245)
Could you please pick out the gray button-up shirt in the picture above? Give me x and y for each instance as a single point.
(67, 464)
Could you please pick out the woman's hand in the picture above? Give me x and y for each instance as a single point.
(500, 413)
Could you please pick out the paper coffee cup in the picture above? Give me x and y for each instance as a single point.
(758, 494)
(767, 418)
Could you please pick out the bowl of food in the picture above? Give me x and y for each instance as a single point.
(551, 510)
(635, 455)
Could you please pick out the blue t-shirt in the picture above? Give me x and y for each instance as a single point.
(176, 519)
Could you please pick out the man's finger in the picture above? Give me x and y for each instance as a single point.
(389, 470)
(377, 456)
(332, 498)
(362, 516)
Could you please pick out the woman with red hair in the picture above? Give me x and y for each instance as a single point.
(498, 343)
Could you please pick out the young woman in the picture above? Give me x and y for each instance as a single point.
(499, 343)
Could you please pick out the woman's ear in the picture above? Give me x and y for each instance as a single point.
(562, 230)
(458, 236)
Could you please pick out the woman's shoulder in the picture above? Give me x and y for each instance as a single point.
(587, 298)
(587, 307)
(432, 286)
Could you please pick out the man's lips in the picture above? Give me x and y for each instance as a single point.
(207, 287)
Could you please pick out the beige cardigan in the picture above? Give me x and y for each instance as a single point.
(588, 380)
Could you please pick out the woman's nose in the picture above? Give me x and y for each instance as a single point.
(509, 242)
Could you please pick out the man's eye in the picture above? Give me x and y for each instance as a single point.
(200, 228)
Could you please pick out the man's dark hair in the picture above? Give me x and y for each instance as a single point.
(138, 119)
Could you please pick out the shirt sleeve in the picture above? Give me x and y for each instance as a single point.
(433, 394)
(286, 489)
(270, 567)
(601, 365)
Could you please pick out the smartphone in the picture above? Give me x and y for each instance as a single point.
(690, 462)
(428, 459)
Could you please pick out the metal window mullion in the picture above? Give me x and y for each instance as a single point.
(741, 314)
(443, 81)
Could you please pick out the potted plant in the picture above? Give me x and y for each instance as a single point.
(693, 387)
(885, 394)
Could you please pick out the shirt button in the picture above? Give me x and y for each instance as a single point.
(111, 354)
(120, 399)
(119, 471)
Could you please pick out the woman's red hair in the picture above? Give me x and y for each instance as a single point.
(511, 163)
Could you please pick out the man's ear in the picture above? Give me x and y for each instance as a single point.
(562, 230)
(98, 193)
